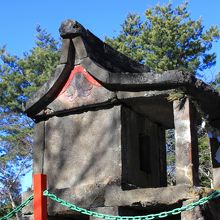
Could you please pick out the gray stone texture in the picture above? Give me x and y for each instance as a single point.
(195, 214)
(67, 55)
(216, 177)
(110, 158)
(149, 200)
(150, 197)
(97, 95)
(137, 129)
(83, 149)
(80, 49)
(28, 209)
(38, 147)
(71, 28)
(46, 94)
(151, 104)
(186, 148)
(116, 72)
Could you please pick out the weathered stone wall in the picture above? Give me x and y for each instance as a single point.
(143, 166)
(38, 148)
(83, 149)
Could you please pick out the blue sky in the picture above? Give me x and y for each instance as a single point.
(18, 19)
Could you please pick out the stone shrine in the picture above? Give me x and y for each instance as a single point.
(100, 132)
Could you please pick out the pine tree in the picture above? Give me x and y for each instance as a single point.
(19, 77)
(167, 39)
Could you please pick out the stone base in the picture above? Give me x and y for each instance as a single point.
(114, 201)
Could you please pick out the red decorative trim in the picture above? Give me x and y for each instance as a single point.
(40, 201)
(79, 69)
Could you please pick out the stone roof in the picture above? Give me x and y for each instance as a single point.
(122, 77)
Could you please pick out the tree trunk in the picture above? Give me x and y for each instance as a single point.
(13, 204)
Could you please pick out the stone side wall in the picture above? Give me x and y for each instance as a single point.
(83, 149)
(143, 166)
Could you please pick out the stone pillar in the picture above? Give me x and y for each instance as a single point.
(105, 210)
(215, 153)
(195, 214)
(186, 143)
(39, 147)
